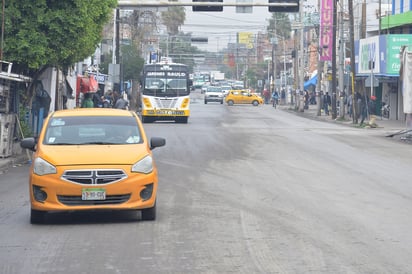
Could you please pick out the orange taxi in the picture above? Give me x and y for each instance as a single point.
(92, 159)
(243, 97)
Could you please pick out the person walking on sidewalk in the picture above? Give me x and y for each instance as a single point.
(327, 101)
(349, 105)
(372, 111)
(266, 95)
(364, 102)
(306, 100)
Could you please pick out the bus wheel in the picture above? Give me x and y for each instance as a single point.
(146, 119)
(182, 120)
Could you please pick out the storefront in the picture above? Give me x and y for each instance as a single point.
(377, 70)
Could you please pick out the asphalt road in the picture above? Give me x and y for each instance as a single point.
(242, 189)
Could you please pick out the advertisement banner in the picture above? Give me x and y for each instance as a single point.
(246, 38)
(369, 60)
(326, 30)
(394, 44)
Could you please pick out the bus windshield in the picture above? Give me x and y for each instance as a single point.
(166, 80)
(163, 87)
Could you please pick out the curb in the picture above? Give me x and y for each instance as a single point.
(19, 158)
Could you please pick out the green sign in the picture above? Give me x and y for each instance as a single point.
(394, 42)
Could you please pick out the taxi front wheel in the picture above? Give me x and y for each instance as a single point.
(255, 103)
(230, 103)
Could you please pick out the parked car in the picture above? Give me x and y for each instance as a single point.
(243, 97)
(214, 94)
(92, 159)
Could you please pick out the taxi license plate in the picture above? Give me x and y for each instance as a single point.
(93, 194)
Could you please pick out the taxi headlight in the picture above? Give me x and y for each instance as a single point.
(145, 165)
(42, 167)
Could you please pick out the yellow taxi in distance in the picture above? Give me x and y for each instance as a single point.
(243, 97)
(92, 159)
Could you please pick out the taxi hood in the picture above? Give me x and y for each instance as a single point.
(127, 154)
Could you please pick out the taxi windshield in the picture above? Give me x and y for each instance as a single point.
(82, 130)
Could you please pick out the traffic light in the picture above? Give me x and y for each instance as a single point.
(284, 6)
(199, 39)
(293, 53)
(207, 8)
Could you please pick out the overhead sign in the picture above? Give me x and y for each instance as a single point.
(326, 30)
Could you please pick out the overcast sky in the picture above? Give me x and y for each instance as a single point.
(221, 27)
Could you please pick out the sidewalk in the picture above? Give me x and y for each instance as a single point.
(20, 157)
(384, 126)
(312, 113)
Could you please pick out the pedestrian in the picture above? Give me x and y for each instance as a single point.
(372, 111)
(97, 100)
(349, 105)
(283, 96)
(327, 101)
(306, 99)
(266, 95)
(363, 109)
(121, 103)
(312, 99)
(358, 102)
(87, 101)
(107, 99)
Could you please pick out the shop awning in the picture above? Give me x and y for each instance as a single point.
(311, 82)
(86, 84)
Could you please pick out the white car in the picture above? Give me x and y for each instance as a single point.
(214, 94)
(225, 89)
(204, 88)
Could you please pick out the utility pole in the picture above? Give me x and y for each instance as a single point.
(341, 64)
(352, 61)
(334, 61)
(301, 62)
(115, 34)
(284, 63)
(320, 66)
(274, 67)
(272, 82)
(319, 84)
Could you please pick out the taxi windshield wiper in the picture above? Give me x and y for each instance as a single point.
(62, 144)
(99, 143)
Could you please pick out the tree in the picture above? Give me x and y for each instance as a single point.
(173, 18)
(132, 62)
(280, 25)
(52, 33)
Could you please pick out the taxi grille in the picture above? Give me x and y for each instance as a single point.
(77, 200)
(94, 177)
